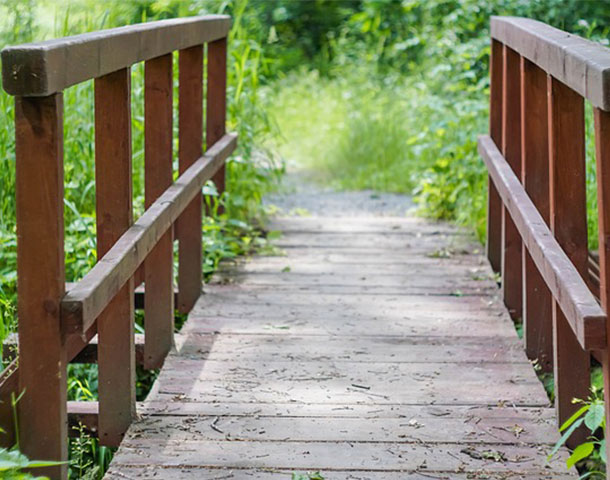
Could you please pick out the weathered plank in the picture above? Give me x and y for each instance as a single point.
(43, 68)
(581, 64)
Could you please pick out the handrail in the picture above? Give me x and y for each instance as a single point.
(56, 327)
(87, 299)
(582, 65)
(586, 317)
(43, 68)
(537, 234)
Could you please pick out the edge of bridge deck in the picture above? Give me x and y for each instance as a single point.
(368, 348)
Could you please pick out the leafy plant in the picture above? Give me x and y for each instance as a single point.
(13, 462)
(592, 416)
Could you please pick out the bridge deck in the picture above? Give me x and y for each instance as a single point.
(372, 348)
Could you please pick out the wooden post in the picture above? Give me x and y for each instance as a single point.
(537, 299)
(158, 134)
(494, 203)
(116, 352)
(569, 225)
(216, 106)
(602, 155)
(512, 291)
(41, 411)
(190, 148)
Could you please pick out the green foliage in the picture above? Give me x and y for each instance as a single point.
(307, 476)
(12, 464)
(593, 451)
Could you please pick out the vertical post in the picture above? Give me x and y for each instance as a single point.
(537, 299)
(41, 280)
(511, 149)
(569, 225)
(216, 106)
(116, 353)
(159, 298)
(494, 203)
(190, 148)
(602, 156)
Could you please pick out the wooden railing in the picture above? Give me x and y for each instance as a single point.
(537, 213)
(57, 326)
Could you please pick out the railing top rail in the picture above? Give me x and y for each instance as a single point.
(43, 68)
(582, 65)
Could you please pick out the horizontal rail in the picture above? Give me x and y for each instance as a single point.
(586, 317)
(582, 65)
(44, 68)
(83, 303)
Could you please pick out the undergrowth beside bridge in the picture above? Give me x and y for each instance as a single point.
(386, 95)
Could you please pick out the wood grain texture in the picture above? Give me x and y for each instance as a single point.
(43, 68)
(190, 145)
(568, 218)
(267, 381)
(41, 279)
(114, 216)
(581, 64)
(512, 281)
(537, 300)
(158, 174)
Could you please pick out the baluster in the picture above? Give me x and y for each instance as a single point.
(602, 155)
(537, 299)
(116, 354)
(568, 218)
(216, 106)
(511, 149)
(494, 203)
(190, 144)
(41, 280)
(159, 298)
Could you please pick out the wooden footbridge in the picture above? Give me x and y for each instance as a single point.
(374, 348)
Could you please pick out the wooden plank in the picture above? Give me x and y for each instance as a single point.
(81, 305)
(178, 473)
(602, 156)
(494, 205)
(586, 318)
(446, 458)
(43, 68)
(340, 348)
(332, 383)
(190, 139)
(216, 103)
(581, 64)
(83, 416)
(41, 279)
(114, 216)
(512, 288)
(446, 428)
(159, 265)
(568, 218)
(537, 300)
